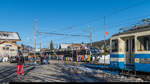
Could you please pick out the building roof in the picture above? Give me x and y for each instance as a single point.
(64, 45)
(75, 45)
(134, 30)
(71, 45)
(9, 36)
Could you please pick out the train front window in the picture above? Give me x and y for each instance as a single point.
(144, 43)
(114, 46)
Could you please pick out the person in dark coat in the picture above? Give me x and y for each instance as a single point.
(41, 59)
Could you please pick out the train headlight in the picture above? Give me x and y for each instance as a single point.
(137, 60)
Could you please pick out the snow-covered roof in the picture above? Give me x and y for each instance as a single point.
(64, 45)
(9, 36)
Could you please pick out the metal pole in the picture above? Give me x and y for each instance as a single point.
(104, 41)
(72, 55)
(35, 38)
(40, 45)
(90, 41)
(91, 37)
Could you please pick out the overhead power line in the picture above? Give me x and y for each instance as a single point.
(123, 9)
(98, 19)
(63, 34)
(113, 13)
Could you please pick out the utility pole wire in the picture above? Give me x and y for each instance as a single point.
(132, 25)
(113, 13)
(128, 20)
(62, 34)
(125, 20)
(131, 6)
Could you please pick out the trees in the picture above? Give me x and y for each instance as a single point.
(22, 45)
(51, 45)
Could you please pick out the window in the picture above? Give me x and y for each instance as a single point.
(127, 45)
(114, 46)
(5, 48)
(144, 43)
(133, 45)
(12, 49)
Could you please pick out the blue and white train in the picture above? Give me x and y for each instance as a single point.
(130, 50)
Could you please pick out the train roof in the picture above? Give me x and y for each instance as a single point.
(134, 30)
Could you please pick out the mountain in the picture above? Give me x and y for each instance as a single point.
(100, 44)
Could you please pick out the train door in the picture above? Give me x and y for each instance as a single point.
(130, 47)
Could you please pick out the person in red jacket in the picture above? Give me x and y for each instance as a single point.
(82, 57)
(20, 64)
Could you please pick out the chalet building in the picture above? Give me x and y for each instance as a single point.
(74, 46)
(8, 46)
(77, 46)
(64, 46)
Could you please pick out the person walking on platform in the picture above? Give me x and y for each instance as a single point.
(47, 59)
(20, 64)
(41, 59)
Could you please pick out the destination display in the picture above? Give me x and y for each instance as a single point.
(145, 60)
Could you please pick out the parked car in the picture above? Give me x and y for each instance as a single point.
(13, 59)
(5, 59)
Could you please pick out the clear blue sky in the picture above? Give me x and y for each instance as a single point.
(57, 15)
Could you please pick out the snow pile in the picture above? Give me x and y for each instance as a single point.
(116, 78)
(107, 75)
(112, 77)
(84, 69)
(67, 66)
(104, 59)
(78, 69)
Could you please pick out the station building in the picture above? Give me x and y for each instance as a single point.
(8, 43)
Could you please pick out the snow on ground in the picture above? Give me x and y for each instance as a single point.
(44, 73)
(85, 69)
(109, 77)
(116, 78)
